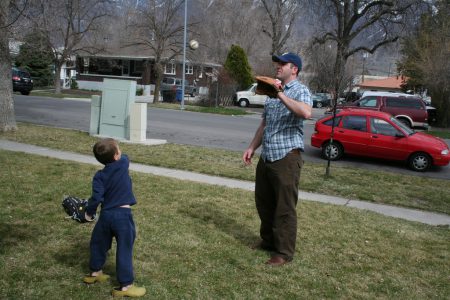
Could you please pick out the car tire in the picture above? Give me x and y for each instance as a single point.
(243, 103)
(420, 162)
(25, 93)
(319, 105)
(332, 151)
(404, 122)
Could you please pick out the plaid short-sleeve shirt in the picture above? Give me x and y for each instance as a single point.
(284, 130)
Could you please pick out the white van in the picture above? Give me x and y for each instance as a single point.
(248, 97)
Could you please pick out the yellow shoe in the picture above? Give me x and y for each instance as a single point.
(132, 291)
(93, 279)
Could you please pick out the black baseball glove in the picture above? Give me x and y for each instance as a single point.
(76, 208)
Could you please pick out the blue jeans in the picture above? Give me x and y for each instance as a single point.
(117, 223)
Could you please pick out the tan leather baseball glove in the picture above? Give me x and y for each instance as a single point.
(267, 86)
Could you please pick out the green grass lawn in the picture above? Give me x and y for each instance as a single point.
(378, 187)
(203, 109)
(445, 134)
(64, 93)
(193, 243)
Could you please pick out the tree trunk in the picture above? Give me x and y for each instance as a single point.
(339, 66)
(7, 117)
(338, 72)
(158, 75)
(57, 80)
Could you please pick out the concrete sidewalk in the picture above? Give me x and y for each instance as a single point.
(388, 210)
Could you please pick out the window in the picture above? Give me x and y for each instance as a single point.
(354, 123)
(168, 80)
(379, 126)
(106, 66)
(368, 102)
(136, 67)
(169, 69)
(330, 121)
(404, 102)
(189, 69)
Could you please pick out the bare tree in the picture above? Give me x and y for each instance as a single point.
(319, 70)
(158, 28)
(425, 60)
(282, 15)
(231, 22)
(358, 26)
(320, 67)
(67, 26)
(10, 11)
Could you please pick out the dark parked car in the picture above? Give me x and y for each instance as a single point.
(349, 97)
(320, 100)
(22, 81)
(378, 134)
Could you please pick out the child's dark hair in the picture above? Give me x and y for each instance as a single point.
(105, 149)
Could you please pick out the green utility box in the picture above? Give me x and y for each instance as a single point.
(117, 98)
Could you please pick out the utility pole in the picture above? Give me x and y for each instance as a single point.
(184, 55)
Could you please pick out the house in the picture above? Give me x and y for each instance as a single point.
(92, 69)
(389, 84)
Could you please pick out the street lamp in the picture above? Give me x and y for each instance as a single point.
(193, 44)
(184, 55)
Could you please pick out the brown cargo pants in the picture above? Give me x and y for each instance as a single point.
(276, 196)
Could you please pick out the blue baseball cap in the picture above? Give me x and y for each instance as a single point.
(288, 57)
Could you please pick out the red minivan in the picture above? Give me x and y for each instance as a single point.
(411, 111)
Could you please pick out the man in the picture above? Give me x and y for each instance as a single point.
(278, 171)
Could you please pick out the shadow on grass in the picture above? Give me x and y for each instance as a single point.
(11, 235)
(210, 213)
(74, 253)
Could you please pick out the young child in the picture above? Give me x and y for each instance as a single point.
(112, 188)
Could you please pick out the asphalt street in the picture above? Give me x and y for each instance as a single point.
(200, 129)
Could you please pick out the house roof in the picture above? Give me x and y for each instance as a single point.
(387, 83)
(109, 55)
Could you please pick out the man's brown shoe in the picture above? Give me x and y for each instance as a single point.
(276, 261)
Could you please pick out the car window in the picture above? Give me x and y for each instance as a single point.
(379, 126)
(330, 121)
(24, 74)
(20, 73)
(354, 123)
(405, 128)
(368, 102)
(403, 102)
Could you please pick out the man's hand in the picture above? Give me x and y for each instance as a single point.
(278, 85)
(247, 156)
